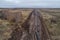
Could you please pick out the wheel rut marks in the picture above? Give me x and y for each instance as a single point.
(32, 29)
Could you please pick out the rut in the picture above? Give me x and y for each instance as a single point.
(33, 28)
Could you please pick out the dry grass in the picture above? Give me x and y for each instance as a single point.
(54, 27)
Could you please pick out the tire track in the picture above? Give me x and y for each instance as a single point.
(34, 28)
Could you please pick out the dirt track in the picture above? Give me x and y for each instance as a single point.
(33, 28)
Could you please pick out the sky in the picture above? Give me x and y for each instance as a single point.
(29, 3)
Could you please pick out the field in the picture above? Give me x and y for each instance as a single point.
(51, 18)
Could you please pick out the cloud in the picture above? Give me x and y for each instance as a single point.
(13, 1)
(30, 3)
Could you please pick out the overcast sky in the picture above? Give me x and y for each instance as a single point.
(29, 3)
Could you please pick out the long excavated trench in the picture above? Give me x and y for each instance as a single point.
(33, 28)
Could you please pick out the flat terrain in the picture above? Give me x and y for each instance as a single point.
(50, 16)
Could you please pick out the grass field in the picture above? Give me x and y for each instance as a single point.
(50, 16)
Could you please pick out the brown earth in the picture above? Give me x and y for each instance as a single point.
(50, 16)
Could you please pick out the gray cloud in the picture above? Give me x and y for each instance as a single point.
(30, 3)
